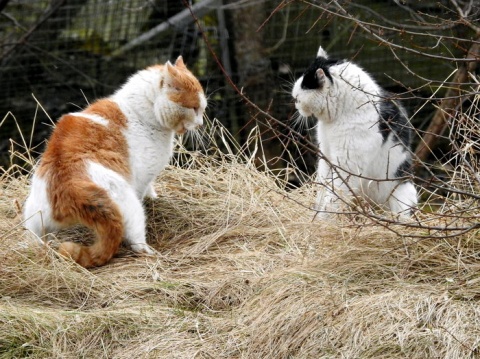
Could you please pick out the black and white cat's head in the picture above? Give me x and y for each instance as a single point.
(318, 83)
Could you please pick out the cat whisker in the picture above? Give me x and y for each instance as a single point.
(287, 84)
(194, 139)
(198, 139)
(301, 123)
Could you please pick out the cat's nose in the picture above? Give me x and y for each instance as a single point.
(198, 116)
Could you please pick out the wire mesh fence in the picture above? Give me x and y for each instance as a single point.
(68, 53)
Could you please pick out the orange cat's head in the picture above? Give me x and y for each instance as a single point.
(181, 101)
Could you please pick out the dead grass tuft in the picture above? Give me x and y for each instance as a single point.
(242, 272)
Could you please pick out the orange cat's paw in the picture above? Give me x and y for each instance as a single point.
(142, 248)
(151, 193)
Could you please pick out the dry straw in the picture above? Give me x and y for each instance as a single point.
(242, 271)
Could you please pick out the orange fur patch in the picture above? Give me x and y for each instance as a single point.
(108, 110)
(95, 210)
(77, 139)
(187, 88)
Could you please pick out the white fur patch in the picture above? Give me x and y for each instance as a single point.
(37, 210)
(92, 117)
(123, 194)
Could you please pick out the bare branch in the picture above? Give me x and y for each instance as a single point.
(463, 14)
(370, 28)
(448, 106)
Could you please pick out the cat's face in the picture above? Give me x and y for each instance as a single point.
(181, 102)
(314, 90)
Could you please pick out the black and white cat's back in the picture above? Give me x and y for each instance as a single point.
(363, 136)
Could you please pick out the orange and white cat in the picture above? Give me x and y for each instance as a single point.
(100, 163)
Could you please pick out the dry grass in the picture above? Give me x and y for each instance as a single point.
(242, 272)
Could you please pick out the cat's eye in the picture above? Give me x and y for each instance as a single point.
(174, 88)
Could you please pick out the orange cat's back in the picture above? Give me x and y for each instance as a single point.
(94, 134)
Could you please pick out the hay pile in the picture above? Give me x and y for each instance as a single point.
(242, 272)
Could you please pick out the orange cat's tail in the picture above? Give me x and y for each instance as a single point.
(93, 208)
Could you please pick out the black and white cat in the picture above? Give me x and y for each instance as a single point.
(363, 137)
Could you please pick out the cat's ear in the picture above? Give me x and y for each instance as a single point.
(173, 74)
(320, 76)
(179, 62)
(322, 53)
(171, 69)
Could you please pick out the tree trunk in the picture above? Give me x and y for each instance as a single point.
(255, 76)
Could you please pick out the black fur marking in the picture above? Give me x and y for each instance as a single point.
(393, 121)
(310, 81)
(405, 169)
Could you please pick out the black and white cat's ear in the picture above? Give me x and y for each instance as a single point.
(322, 53)
(320, 76)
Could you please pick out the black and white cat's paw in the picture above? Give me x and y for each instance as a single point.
(327, 205)
(402, 201)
